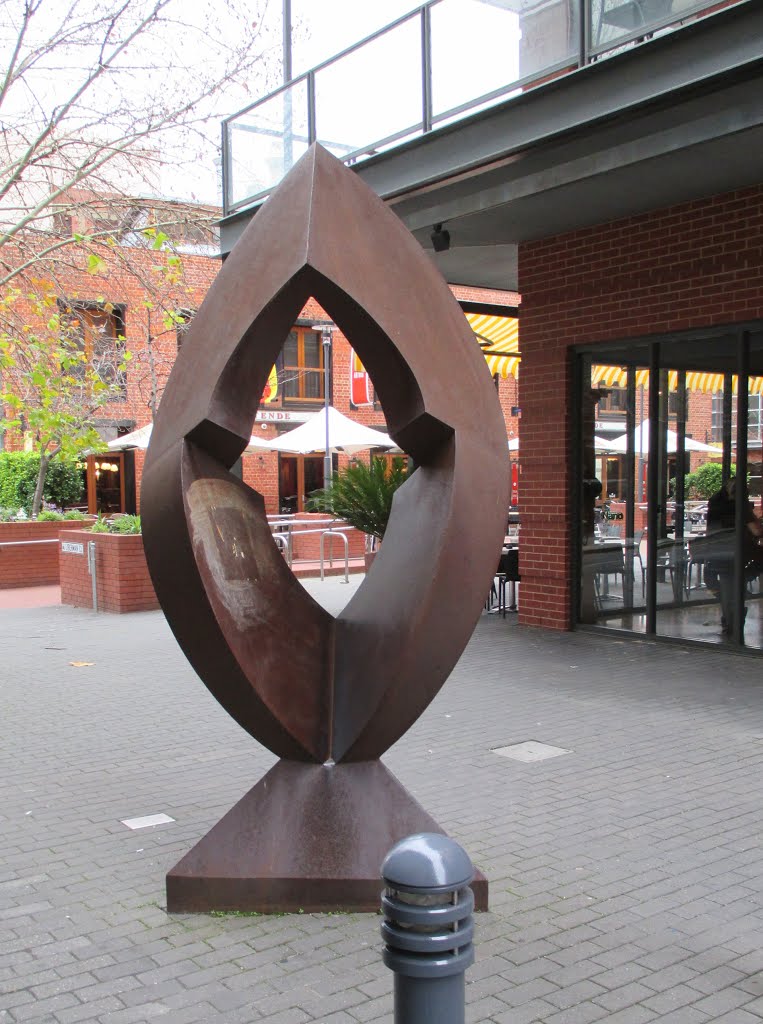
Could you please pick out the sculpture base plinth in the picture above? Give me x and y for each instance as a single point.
(307, 837)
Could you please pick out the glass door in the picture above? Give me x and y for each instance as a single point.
(670, 538)
(612, 573)
(105, 483)
(298, 477)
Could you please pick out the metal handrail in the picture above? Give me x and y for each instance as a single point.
(23, 543)
(589, 50)
(338, 531)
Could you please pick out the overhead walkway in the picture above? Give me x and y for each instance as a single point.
(608, 122)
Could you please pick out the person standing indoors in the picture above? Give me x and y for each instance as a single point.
(721, 524)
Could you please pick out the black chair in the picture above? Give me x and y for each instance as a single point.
(508, 572)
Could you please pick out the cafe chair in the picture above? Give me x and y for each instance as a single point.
(508, 573)
(608, 561)
(633, 553)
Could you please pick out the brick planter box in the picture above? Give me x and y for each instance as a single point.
(30, 564)
(123, 582)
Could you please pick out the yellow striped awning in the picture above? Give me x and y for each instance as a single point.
(504, 366)
(498, 337)
(706, 383)
(500, 334)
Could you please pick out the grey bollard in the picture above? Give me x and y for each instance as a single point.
(428, 927)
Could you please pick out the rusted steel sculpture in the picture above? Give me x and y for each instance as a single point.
(328, 696)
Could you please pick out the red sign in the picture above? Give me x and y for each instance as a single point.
(360, 383)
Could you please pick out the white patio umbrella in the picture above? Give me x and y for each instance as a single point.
(641, 442)
(136, 439)
(344, 436)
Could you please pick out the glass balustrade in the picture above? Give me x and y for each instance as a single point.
(263, 143)
(371, 99)
(615, 22)
(442, 62)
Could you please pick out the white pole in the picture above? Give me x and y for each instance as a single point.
(327, 468)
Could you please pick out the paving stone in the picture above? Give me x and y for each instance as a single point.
(528, 1013)
(580, 1013)
(619, 998)
(626, 879)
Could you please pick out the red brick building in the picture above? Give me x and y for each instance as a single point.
(675, 277)
(140, 299)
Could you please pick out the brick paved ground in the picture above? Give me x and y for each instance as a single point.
(626, 875)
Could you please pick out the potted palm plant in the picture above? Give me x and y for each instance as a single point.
(361, 495)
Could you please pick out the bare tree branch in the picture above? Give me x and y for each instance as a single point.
(90, 89)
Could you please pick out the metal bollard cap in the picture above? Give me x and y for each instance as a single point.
(427, 862)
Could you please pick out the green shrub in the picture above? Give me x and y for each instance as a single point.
(74, 513)
(120, 524)
(64, 484)
(362, 495)
(48, 515)
(704, 482)
(125, 524)
(707, 479)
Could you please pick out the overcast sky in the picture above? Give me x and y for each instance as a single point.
(376, 92)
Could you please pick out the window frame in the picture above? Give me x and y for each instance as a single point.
(298, 374)
(77, 313)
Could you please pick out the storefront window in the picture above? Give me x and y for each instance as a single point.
(302, 374)
(668, 539)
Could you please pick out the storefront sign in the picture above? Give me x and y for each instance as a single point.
(70, 547)
(612, 425)
(271, 388)
(281, 416)
(360, 382)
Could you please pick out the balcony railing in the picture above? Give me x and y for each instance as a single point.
(444, 60)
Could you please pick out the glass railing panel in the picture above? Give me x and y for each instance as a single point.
(618, 21)
(372, 97)
(475, 52)
(482, 49)
(264, 143)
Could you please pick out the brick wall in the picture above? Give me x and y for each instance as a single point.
(123, 582)
(34, 564)
(260, 470)
(124, 283)
(130, 280)
(693, 265)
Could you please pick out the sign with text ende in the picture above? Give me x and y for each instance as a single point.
(281, 416)
(70, 547)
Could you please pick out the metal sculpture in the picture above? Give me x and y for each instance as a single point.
(328, 696)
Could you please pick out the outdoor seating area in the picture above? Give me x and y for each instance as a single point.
(504, 593)
(688, 606)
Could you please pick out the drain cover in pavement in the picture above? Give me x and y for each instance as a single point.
(530, 750)
(148, 819)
